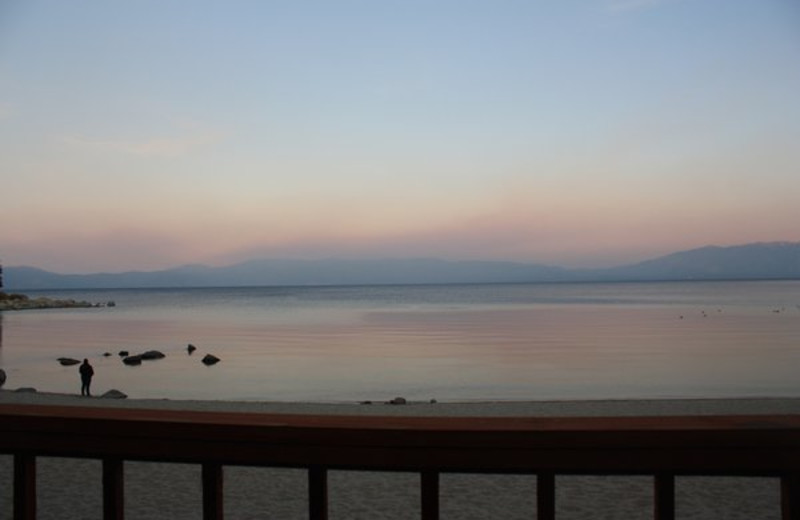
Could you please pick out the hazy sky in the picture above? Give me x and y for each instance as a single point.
(150, 133)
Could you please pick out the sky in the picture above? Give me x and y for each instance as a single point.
(147, 134)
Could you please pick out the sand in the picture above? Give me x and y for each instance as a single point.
(70, 488)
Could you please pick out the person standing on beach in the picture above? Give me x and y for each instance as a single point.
(87, 372)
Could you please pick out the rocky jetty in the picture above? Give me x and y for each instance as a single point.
(21, 302)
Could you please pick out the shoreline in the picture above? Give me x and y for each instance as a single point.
(543, 408)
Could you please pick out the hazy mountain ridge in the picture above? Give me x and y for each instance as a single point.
(774, 260)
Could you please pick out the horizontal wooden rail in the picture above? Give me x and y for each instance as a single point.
(766, 445)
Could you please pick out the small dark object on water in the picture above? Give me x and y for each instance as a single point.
(152, 354)
(132, 360)
(106, 354)
(191, 348)
(124, 353)
(65, 361)
(209, 359)
(111, 304)
(398, 400)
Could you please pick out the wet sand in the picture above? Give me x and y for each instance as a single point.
(70, 488)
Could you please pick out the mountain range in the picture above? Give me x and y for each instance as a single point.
(758, 261)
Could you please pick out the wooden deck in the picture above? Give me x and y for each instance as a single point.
(665, 447)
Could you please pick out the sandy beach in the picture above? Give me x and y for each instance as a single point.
(70, 488)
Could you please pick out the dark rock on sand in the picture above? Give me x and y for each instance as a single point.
(124, 353)
(191, 348)
(68, 361)
(152, 354)
(210, 359)
(106, 354)
(2, 377)
(114, 394)
(132, 360)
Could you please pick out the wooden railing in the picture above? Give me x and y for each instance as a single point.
(664, 447)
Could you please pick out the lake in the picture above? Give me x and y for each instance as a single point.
(443, 342)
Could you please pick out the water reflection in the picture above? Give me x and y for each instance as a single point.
(461, 348)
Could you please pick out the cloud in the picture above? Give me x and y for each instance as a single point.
(153, 147)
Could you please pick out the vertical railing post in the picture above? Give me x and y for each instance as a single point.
(429, 491)
(24, 487)
(317, 493)
(212, 491)
(113, 490)
(790, 496)
(545, 496)
(664, 488)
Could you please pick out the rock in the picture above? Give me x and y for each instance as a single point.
(210, 359)
(26, 390)
(2, 377)
(398, 400)
(132, 360)
(124, 353)
(106, 354)
(191, 348)
(68, 361)
(113, 394)
(152, 354)
(111, 304)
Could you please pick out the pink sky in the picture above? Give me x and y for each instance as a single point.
(144, 137)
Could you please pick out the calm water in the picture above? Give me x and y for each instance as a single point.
(457, 342)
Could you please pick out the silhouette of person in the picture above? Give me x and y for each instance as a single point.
(87, 372)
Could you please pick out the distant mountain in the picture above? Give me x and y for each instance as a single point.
(773, 260)
(777, 260)
(293, 272)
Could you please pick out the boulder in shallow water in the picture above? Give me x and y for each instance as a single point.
(210, 359)
(114, 394)
(132, 360)
(2, 377)
(26, 390)
(124, 353)
(152, 354)
(190, 348)
(398, 400)
(65, 361)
